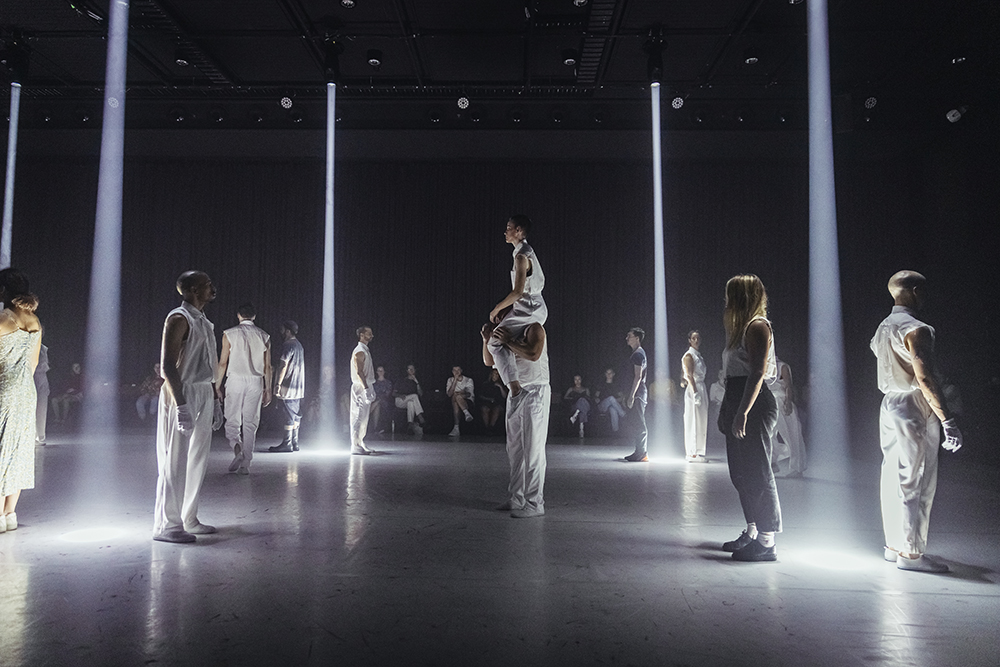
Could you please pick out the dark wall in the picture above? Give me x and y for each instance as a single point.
(421, 258)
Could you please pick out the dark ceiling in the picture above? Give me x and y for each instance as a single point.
(736, 63)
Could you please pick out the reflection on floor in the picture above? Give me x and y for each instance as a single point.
(400, 559)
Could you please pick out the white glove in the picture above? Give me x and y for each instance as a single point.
(185, 422)
(369, 395)
(697, 398)
(217, 415)
(952, 436)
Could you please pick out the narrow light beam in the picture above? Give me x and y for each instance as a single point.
(8, 190)
(829, 429)
(100, 398)
(661, 359)
(327, 393)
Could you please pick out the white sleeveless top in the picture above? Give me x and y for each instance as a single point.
(198, 357)
(367, 368)
(895, 363)
(736, 360)
(534, 282)
(247, 347)
(699, 365)
(534, 372)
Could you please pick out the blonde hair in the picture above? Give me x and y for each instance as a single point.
(746, 300)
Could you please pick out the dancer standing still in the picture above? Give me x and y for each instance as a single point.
(525, 301)
(910, 422)
(20, 344)
(290, 385)
(635, 397)
(695, 400)
(748, 416)
(362, 390)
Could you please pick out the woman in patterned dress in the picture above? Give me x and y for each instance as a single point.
(20, 342)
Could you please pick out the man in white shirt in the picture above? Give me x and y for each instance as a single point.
(913, 412)
(245, 364)
(362, 390)
(461, 391)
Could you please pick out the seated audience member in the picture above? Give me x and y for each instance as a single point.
(149, 394)
(461, 391)
(579, 398)
(383, 398)
(70, 393)
(408, 392)
(492, 399)
(609, 399)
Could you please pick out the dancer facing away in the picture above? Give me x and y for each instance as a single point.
(695, 399)
(525, 301)
(20, 344)
(748, 416)
(913, 412)
(362, 390)
(188, 411)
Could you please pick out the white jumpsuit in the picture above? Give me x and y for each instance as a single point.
(696, 414)
(529, 308)
(182, 460)
(245, 385)
(789, 427)
(360, 406)
(909, 435)
(527, 430)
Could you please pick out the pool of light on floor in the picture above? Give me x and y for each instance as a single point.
(95, 534)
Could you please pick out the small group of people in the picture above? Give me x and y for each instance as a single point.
(607, 399)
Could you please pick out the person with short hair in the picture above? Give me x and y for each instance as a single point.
(362, 390)
(383, 398)
(695, 399)
(492, 399)
(188, 412)
(608, 399)
(245, 368)
(636, 396)
(407, 393)
(748, 415)
(290, 385)
(912, 416)
(70, 394)
(579, 398)
(461, 390)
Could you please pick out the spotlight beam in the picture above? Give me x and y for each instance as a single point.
(661, 359)
(328, 376)
(828, 424)
(8, 190)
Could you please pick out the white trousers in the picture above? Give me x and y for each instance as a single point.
(526, 311)
(527, 430)
(614, 409)
(244, 394)
(360, 410)
(695, 421)
(909, 435)
(412, 404)
(790, 429)
(181, 460)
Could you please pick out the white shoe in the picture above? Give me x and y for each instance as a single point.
(360, 450)
(528, 513)
(468, 416)
(243, 470)
(572, 417)
(3, 524)
(920, 564)
(418, 429)
(201, 529)
(177, 536)
(454, 432)
(890, 555)
(10, 521)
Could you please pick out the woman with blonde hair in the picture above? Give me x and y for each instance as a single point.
(748, 416)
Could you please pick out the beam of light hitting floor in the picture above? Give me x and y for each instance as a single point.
(829, 429)
(8, 190)
(327, 393)
(100, 403)
(833, 560)
(97, 534)
(662, 434)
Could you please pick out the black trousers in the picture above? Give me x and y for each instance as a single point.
(750, 458)
(635, 425)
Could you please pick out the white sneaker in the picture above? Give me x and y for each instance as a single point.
(581, 430)
(454, 432)
(572, 417)
(10, 521)
(921, 564)
(243, 470)
(200, 529)
(360, 450)
(418, 429)
(3, 524)
(468, 416)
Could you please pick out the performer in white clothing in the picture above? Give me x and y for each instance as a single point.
(913, 412)
(462, 392)
(362, 390)
(789, 429)
(245, 364)
(527, 427)
(525, 303)
(188, 412)
(695, 399)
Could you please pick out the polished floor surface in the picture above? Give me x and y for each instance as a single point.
(401, 559)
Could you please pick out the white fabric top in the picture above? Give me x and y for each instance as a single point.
(700, 369)
(198, 357)
(247, 348)
(534, 283)
(895, 363)
(367, 369)
(778, 386)
(736, 360)
(465, 387)
(534, 372)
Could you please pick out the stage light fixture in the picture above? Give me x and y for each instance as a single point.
(558, 116)
(475, 115)
(180, 58)
(569, 57)
(579, 3)
(870, 102)
(296, 115)
(958, 60)
(217, 115)
(349, 4)
(82, 116)
(677, 102)
(654, 51)
(599, 116)
(463, 102)
(795, 2)
(515, 116)
(955, 115)
(434, 116)
(332, 49)
(750, 57)
(256, 116)
(177, 114)
(285, 102)
(375, 58)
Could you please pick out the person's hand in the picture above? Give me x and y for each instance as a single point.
(217, 415)
(267, 398)
(739, 426)
(697, 398)
(501, 334)
(185, 421)
(279, 391)
(952, 436)
(369, 395)
(486, 331)
(495, 316)
(629, 402)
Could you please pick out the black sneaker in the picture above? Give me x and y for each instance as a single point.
(755, 552)
(637, 457)
(738, 543)
(283, 447)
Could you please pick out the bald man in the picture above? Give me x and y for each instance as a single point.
(910, 422)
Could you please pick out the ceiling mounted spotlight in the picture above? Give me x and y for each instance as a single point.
(599, 116)
(579, 3)
(82, 116)
(795, 2)
(677, 102)
(375, 58)
(256, 116)
(870, 102)
(285, 102)
(476, 115)
(654, 50)
(782, 116)
(434, 116)
(177, 114)
(558, 116)
(181, 58)
(332, 48)
(15, 54)
(750, 56)
(698, 117)
(296, 116)
(955, 115)
(515, 116)
(349, 4)
(958, 60)
(217, 115)
(463, 102)
(569, 57)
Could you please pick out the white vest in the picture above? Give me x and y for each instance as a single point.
(368, 370)
(247, 347)
(895, 363)
(534, 372)
(198, 357)
(736, 360)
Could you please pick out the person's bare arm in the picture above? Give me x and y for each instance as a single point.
(530, 347)
(687, 363)
(758, 338)
(920, 343)
(486, 332)
(222, 367)
(636, 379)
(267, 373)
(785, 378)
(520, 278)
(174, 332)
(449, 387)
(359, 367)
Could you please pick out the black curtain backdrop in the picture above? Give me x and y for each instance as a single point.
(420, 255)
